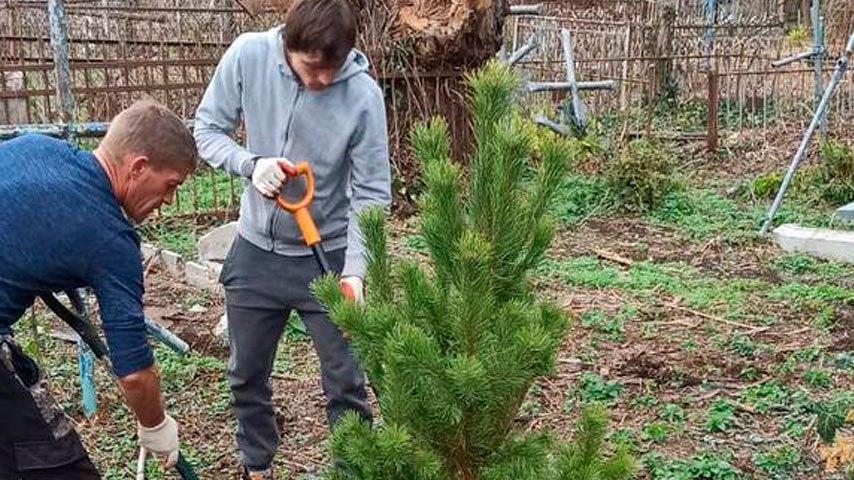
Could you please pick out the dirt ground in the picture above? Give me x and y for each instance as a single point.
(649, 361)
(664, 365)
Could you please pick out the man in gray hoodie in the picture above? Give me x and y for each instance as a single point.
(303, 93)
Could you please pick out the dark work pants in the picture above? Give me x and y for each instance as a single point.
(261, 289)
(37, 441)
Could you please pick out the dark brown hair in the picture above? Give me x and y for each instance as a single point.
(327, 27)
(148, 128)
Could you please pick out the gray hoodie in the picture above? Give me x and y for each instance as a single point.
(340, 131)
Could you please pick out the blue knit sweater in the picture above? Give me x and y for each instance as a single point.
(61, 227)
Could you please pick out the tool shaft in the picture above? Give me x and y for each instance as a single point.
(320, 256)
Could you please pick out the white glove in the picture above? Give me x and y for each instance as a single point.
(268, 177)
(353, 288)
(161, 440)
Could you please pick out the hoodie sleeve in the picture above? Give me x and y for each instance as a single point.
(370, 177)
(219, 115)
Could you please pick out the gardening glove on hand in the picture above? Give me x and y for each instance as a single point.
(268, 177)
(161, 440)
(353, 288)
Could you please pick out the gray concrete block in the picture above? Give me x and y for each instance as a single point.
(197, 275)
(204, 275)
(820, 242)
(214, 245)
(172, 262)
(215, 268)
(846, 212)
(148, 250)
(221, 330)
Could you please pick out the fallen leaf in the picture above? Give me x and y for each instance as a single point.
(839, 453)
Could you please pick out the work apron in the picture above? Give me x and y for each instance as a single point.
(37, 439)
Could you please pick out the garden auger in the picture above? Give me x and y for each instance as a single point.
(89, 335)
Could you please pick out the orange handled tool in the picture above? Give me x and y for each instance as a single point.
(302, 212)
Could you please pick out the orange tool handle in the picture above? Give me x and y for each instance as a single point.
(300, 209)
(305, 223)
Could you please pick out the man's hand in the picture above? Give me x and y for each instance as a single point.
(353, 288)
(268, 177)
(161, 440)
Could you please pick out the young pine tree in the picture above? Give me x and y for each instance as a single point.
(451, 347)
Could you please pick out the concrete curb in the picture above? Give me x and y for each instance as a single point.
(820, 242)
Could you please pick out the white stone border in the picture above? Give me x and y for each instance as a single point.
(203, 274)
(819, 242)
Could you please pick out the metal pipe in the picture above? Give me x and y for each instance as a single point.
(518, 55)
(838, 72)
(167, 337)
(577, 106)
(553, 126)
(526, 9)
(59, 45)
(534, 87)
(58, 130)
(818, 60)
(86, 362)
(86, 358)
(140, 464)
(709, 35)
(792, 59)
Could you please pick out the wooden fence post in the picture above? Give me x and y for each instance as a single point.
(712, 119)
(664, 53)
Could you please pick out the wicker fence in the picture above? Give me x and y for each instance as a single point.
(121, 50)
(670, 56)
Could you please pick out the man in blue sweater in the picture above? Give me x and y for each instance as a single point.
(66, 222)
(303, 93)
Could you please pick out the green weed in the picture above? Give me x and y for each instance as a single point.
(613, 326)
(580, 197)
(207, 189)
(672, 413)
(640, 175)
(816, 377)
(593, 388)
(746, 347)
(655, 432)
(778, 462)
(179, 237)
(801, 264)
(797, 36)
(831, 413)
(720, 417)
(835, 173)
(702, 466)
(415, 242)
(767, 396)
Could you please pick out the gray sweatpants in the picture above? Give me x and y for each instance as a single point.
(261, 289)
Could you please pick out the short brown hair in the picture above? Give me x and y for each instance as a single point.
(150, 129)
(327, 27)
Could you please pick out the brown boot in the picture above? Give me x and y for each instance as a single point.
(262, 475)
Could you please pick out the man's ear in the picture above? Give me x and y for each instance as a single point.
(137, 164)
